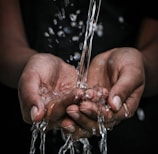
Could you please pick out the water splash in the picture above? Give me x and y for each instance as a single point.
(93, 13)
(69, 145)
(39, 128)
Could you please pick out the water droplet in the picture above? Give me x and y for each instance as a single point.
(61, 33)
(77, 56)
(73, 24)
(121, 19)
(55, 21)
(67, 30)
(46, 34)
(140, 114)
(73, 17)
(99, 30)
(75, 38)
(51, 31)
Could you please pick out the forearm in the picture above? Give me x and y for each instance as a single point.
(148, 44)
(150, 53)
(12, 64)
(14, 50)
(14, 53)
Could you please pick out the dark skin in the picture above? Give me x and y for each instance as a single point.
(131, 75)
(119, 69)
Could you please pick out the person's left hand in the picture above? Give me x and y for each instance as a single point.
(121, 71)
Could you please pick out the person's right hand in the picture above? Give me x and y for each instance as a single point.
(44, 78)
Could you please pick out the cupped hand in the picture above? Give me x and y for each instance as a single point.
(44, 78)
(122, 72)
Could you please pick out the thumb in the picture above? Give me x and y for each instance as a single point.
(31, 102)
(128, 88)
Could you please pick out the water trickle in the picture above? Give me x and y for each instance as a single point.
(38, 128)
(93, 13)
(91, 26)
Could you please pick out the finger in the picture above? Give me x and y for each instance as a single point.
(127, 86)
(91, 126)
(90, 109)
(129, 107)
(56, 109)
(70, 127)
(29, 97)
(81, 119)
(92, 100)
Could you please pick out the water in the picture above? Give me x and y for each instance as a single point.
(69, 145)
(39, 128)
(93, 13)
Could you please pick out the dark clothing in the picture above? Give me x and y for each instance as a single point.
(52, 27)
(58, 28)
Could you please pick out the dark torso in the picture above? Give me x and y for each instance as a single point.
(58, 28)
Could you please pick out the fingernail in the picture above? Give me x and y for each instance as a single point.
(70, 128)
(34, 112)
(117, 102)
(73, 114)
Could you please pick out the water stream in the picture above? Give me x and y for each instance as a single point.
(39, 128)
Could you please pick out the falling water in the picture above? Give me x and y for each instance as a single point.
(93, 13)
(39, 128)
